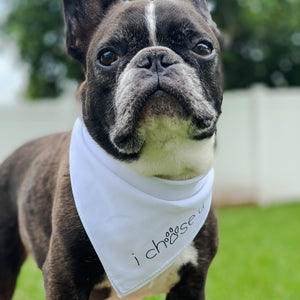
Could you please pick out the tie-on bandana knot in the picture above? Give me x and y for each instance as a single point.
(137, 225)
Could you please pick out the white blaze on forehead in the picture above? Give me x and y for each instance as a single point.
(151, 22)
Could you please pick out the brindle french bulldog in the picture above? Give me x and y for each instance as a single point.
(151, 98)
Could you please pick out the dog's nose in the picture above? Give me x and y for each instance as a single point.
(156, 62)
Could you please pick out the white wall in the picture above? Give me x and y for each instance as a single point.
(26, 120)
(258, 152)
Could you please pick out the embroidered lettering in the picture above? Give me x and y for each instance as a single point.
(184, 228)
(191, 220)
(200, 210)
(164, 242)
(149, 255)
(137, 261)
(170, 238)
(173, 234)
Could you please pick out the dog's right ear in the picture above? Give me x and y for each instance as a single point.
(82, 18)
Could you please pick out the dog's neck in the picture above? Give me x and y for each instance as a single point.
(170, 153)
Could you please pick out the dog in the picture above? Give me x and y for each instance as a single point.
(151, 100)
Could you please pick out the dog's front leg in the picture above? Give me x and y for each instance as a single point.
(191, 286)
(72, 268)
(59, 278)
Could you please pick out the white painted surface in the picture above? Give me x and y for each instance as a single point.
(258, 152)
(25, 120)
(258, 155)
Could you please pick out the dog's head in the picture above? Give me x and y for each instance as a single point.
(153, 76)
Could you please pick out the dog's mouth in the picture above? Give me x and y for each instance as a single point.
(161, 105)
(157, 107)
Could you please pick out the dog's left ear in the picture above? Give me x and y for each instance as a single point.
(82, 18)
(202, 7)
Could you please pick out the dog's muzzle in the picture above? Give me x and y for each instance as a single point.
(158, 83)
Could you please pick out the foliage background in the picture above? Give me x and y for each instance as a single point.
(262, 37)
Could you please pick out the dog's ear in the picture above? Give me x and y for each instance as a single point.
(82, 18)
(202, 7)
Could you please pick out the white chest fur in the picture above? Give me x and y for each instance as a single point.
(164, 282)
(170, 153)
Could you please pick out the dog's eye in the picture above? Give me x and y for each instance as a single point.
(107, 58)
(203, 48)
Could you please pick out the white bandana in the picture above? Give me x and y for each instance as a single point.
(137, 225)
